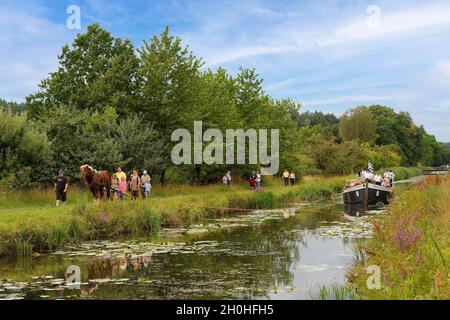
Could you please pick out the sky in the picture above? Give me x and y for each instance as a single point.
(329, 55)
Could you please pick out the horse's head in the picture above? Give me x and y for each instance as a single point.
(86, 171)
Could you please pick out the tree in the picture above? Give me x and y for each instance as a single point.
(170, 75)
(100, 139)
(13, 106)
(24, 151)
(97, 71)
(415, 145)
(358, 124)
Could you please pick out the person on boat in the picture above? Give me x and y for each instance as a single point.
(292, 178)
(366, 176)
(385, 182)
(391, 178)
(377, 178)
(286, 178)
(145, 184)
(370, 167)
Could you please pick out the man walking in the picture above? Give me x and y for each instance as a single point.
(61, 185)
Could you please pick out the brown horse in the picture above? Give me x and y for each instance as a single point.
(96, 181)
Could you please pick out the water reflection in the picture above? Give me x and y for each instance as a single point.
(356, 210)
(277, 255)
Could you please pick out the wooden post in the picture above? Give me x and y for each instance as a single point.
(366, 195)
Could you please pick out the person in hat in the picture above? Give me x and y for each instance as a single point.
(61, 185)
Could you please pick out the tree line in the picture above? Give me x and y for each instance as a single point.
(109, 104)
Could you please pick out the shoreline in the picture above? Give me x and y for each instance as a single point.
(29, 230)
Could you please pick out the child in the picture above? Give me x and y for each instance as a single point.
(115, 187)
(252, 182)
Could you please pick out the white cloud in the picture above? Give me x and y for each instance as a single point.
(29, 49)
(293, 36)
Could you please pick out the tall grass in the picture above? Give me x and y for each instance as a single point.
(335, 291)
(411, 246)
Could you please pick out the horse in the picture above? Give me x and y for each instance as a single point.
(96, 181)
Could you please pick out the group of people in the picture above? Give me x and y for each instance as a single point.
(136, 184)
(254, 180)
(387, 180)
(226, 179)
(288, 177)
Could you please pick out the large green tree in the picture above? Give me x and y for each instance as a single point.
(358, 124)
(170, 75)
(97, 71)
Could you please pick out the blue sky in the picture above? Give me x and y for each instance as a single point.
(329, 55)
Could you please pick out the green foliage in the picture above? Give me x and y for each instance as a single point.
(13, 106)
(383, 156)
(358, 124)
(170, 75)
(415, 145)
(97, 71)
(24, 151)
(100, 139)
(346, 157)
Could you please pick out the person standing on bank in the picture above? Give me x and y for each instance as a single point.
(286, 178)
(122, 182)
(258, 180)
(228, 175)
(61, 185)
(135, 184)
(292, 178)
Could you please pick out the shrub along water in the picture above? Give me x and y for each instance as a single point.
(35, 228)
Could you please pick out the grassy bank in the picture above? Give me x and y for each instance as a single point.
(411, 245)
(403, 173)
(29, 222)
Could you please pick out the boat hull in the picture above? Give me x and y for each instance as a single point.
(376, 194)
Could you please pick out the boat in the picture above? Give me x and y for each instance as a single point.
(366, 193)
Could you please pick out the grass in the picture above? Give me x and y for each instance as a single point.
(30, 222)
(404, 173)
(411, 245)
(335, 291)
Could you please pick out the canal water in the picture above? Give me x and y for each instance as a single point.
(264, 254)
